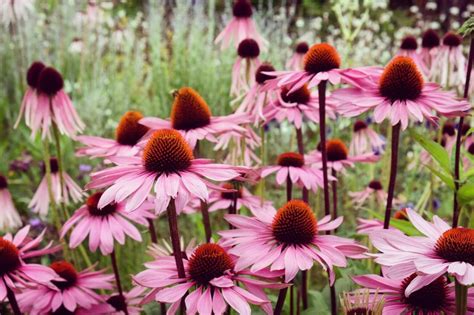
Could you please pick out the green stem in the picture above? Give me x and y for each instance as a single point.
(47, 167)
(57, 140)
(461, 298)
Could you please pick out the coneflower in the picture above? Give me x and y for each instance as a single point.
(127, 135)
(240, 27)
(365, 139)
(192, 117)
(45, 103)
(245, 66)
(430, 43)
(9, 217)
(409, 48)
(296, 60)
(399, 94)
(449, 69)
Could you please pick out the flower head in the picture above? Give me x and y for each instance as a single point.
(191, 116)
(70, 190)
(245, 65)
(45, 103)
(437, 297)
(292, 166)
(168, 167)
(338, 157)
(240, 27)
(106, 225)
(211, 282)
(297, 105)
(296, 62)
(321, 63)
(14, 271)
(289, 240)
(127, 135)
(365, 139)
(72, 291)
(442, 249)
(9, 217)
(399, 94)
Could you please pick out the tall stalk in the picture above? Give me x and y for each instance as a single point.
(117, 278)
(152, 230)
(47, 169)
(206, 221)
(334, 195)
(393, 173)
(322, 135)
(174, 233)
(12, 300)
(457, 153)
(461, 298)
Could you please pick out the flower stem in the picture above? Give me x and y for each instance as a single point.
(461, 298)
(322, 135)
(12, 300)
(233, 207)
(457, 153)
(117, 278)
(206, 221)
(151, 229)
(289, 188)
(332, 290)
(174, 233)
(280, 301)
(393, 174)
(47, 168)
(57, 140)
(334, 196)
(300, 142)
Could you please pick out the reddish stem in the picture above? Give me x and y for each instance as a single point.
(322, 134)
(117, 279)
(174, 233)
(457, 153)
(206, 221)
(393, 174)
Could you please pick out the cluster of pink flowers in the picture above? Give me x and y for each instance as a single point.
(154, 167)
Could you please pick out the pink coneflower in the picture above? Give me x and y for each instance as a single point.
(127, 135)
(408, 48)
(14, 272)
(45, 103)
(338, 157)
(14, 11)
(245, 66)
(9, 217)
(366, 226)
(288, 240)
(106, 225)
(168, 167)
(74, 290)
(365, 140)
(400, 95)
(219, 200)
(240, 27)
(191, 116)
(321, 63)
(294, 106)
(210, 272)
(295, 63)
(130, 302)
(70, 190)
(435, 298)
(450, 64)
(257, 97)
(362, 302)
(429, 49)
(444, 249)
(373, 189)
(291, 167)
(242, 147)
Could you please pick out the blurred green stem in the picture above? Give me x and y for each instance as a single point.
(461, 298)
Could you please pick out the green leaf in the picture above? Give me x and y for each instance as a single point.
(468, 27)
(404, 226)
(446, 178)
(466, 193)
(436, 151)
